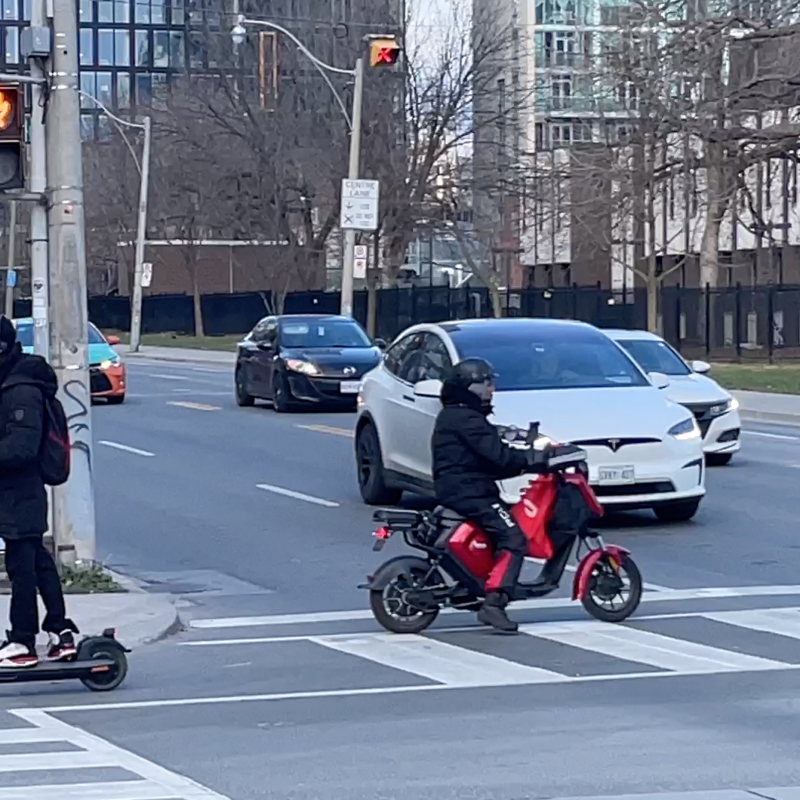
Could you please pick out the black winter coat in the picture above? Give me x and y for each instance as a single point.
(468, 454)
(24, 381)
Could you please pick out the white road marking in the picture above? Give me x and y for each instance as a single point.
(777, 621)
(772, 435)
(125, 448)
(166, 377)
(645, 647)
(153, 782)
(318, 501)
(212, 371)
(314, 695)
(194, 406)
(346, 432)
(437, 661)
(672, 595)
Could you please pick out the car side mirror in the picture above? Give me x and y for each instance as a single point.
(113, 340)
(659, 380)
(701, 367)
(429, 388)
(380, 344)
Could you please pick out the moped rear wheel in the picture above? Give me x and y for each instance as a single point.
(392, 610)
(612, 595)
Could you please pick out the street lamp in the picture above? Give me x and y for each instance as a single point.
(239, 34)
(141, 225)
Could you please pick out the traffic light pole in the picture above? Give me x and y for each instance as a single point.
(352, 173)
(37, 183)
(73, 503)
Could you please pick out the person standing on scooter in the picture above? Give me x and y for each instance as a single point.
(25, 381)
(469, 457)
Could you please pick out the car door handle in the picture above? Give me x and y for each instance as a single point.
(410, 399)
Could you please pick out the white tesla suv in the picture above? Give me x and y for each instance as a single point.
(714, 409)
(644, 450)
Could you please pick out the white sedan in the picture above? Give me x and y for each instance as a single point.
(715, 409)
(644, 451)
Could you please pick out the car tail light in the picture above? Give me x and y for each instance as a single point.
(382, 533)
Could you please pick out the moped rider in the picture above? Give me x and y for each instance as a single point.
(469, 457)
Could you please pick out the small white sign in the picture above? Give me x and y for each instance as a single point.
(11, 278)
(147, 273)
(360, 201)
(350, 387)
(360, 262)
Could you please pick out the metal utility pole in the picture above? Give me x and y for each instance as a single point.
(73, 503)
(12, 249)
(352, 173)
(141, 231)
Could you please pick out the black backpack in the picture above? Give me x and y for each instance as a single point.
(54, 455)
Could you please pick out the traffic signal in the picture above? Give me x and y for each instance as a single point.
(12, 137)
(384, 52)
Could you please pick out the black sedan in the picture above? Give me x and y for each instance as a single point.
(304, 359)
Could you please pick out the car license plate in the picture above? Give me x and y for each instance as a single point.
(610, 476)
(350, 387)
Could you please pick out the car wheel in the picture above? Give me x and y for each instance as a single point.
(369, 464)
(680, 511)
(118, 400)
(280, 395)
(718, 459)
(242, 397)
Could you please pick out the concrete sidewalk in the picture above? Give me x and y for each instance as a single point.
(774, 793)
(138, 617)
(179, 354)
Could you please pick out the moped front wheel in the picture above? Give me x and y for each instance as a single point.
(614, 589)
(392, 609)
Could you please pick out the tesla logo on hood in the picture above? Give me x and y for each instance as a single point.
(349, 370)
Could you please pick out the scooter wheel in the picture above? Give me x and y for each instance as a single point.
(612, 596)
(393, 613)
(110, 680)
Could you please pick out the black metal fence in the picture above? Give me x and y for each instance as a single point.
(725, 323)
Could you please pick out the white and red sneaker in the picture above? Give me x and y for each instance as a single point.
(62, 646)
(14, 655)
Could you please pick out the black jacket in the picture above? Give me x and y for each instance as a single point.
(468, 453)
(24, 381)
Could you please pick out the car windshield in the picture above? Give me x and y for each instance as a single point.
(25, 334)
(558, 358)
(323, 333)
(654, 356)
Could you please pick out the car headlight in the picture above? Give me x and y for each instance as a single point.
(724, 407)
(687, 429)
(304, 367)
(110, 362)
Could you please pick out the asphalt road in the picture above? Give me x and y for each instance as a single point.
(282, 686)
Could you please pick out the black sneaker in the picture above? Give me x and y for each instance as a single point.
(493, 613)
(14, 655)
(62, 646)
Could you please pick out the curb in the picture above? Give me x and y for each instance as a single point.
(791, 420)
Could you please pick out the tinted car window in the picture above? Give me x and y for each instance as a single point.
(654, 356)
(323, 333)
(401, 356)
(435, 361)
(554, 358)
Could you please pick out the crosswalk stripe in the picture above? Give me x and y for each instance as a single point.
(109, 790)
(778, 621)
(26, 762)
(26, 736)
(645, 647)
(438, 661)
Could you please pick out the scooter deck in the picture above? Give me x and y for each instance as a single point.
(56, 670)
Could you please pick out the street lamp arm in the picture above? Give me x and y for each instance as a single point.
(118, 122)
(321, 66)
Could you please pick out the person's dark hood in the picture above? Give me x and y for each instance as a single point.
(454, 394)
(19, 367)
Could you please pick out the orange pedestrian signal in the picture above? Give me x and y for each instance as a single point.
(6, 110)
(384, 52)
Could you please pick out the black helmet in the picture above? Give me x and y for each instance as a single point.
(8, 334)
(471, 370)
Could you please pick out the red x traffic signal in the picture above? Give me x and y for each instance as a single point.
(384, 52)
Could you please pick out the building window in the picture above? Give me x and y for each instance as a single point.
(122, 11)
(87, 127)
(12, 45)
(142, 49)
(561, 91)
(86, 8)
(113, 48)
(176, 50)
(87, 89)
(158, 13)
(142, 11)
(123, 90)
(104, 91)
(144, 90)
(161, 49)
(87, 47)
(122, 48)
(10, 10)
(177, 17)
(105, 11)
(582, 132)
(561, 12)
(26, 10)
(105, 48)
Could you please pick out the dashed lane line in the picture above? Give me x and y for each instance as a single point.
(328, 429)
(128, 449)
(318, 501)
(194, 406)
